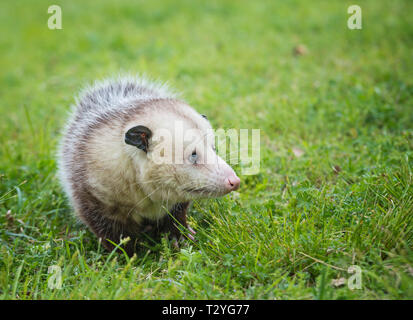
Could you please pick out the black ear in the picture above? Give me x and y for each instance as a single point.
(138, 136)
(204, 116)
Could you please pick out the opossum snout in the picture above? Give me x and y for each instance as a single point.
(232, 182)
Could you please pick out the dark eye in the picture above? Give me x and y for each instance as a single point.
(193, 157)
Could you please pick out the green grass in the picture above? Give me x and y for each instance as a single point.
(293, 228)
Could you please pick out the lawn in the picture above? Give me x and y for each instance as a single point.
(335, 110)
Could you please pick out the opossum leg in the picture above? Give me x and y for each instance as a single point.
(191, 230)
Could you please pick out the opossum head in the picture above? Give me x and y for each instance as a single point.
(173, 149)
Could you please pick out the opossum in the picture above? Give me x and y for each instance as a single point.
(109, 171)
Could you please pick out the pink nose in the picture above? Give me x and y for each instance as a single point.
(232, 183)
